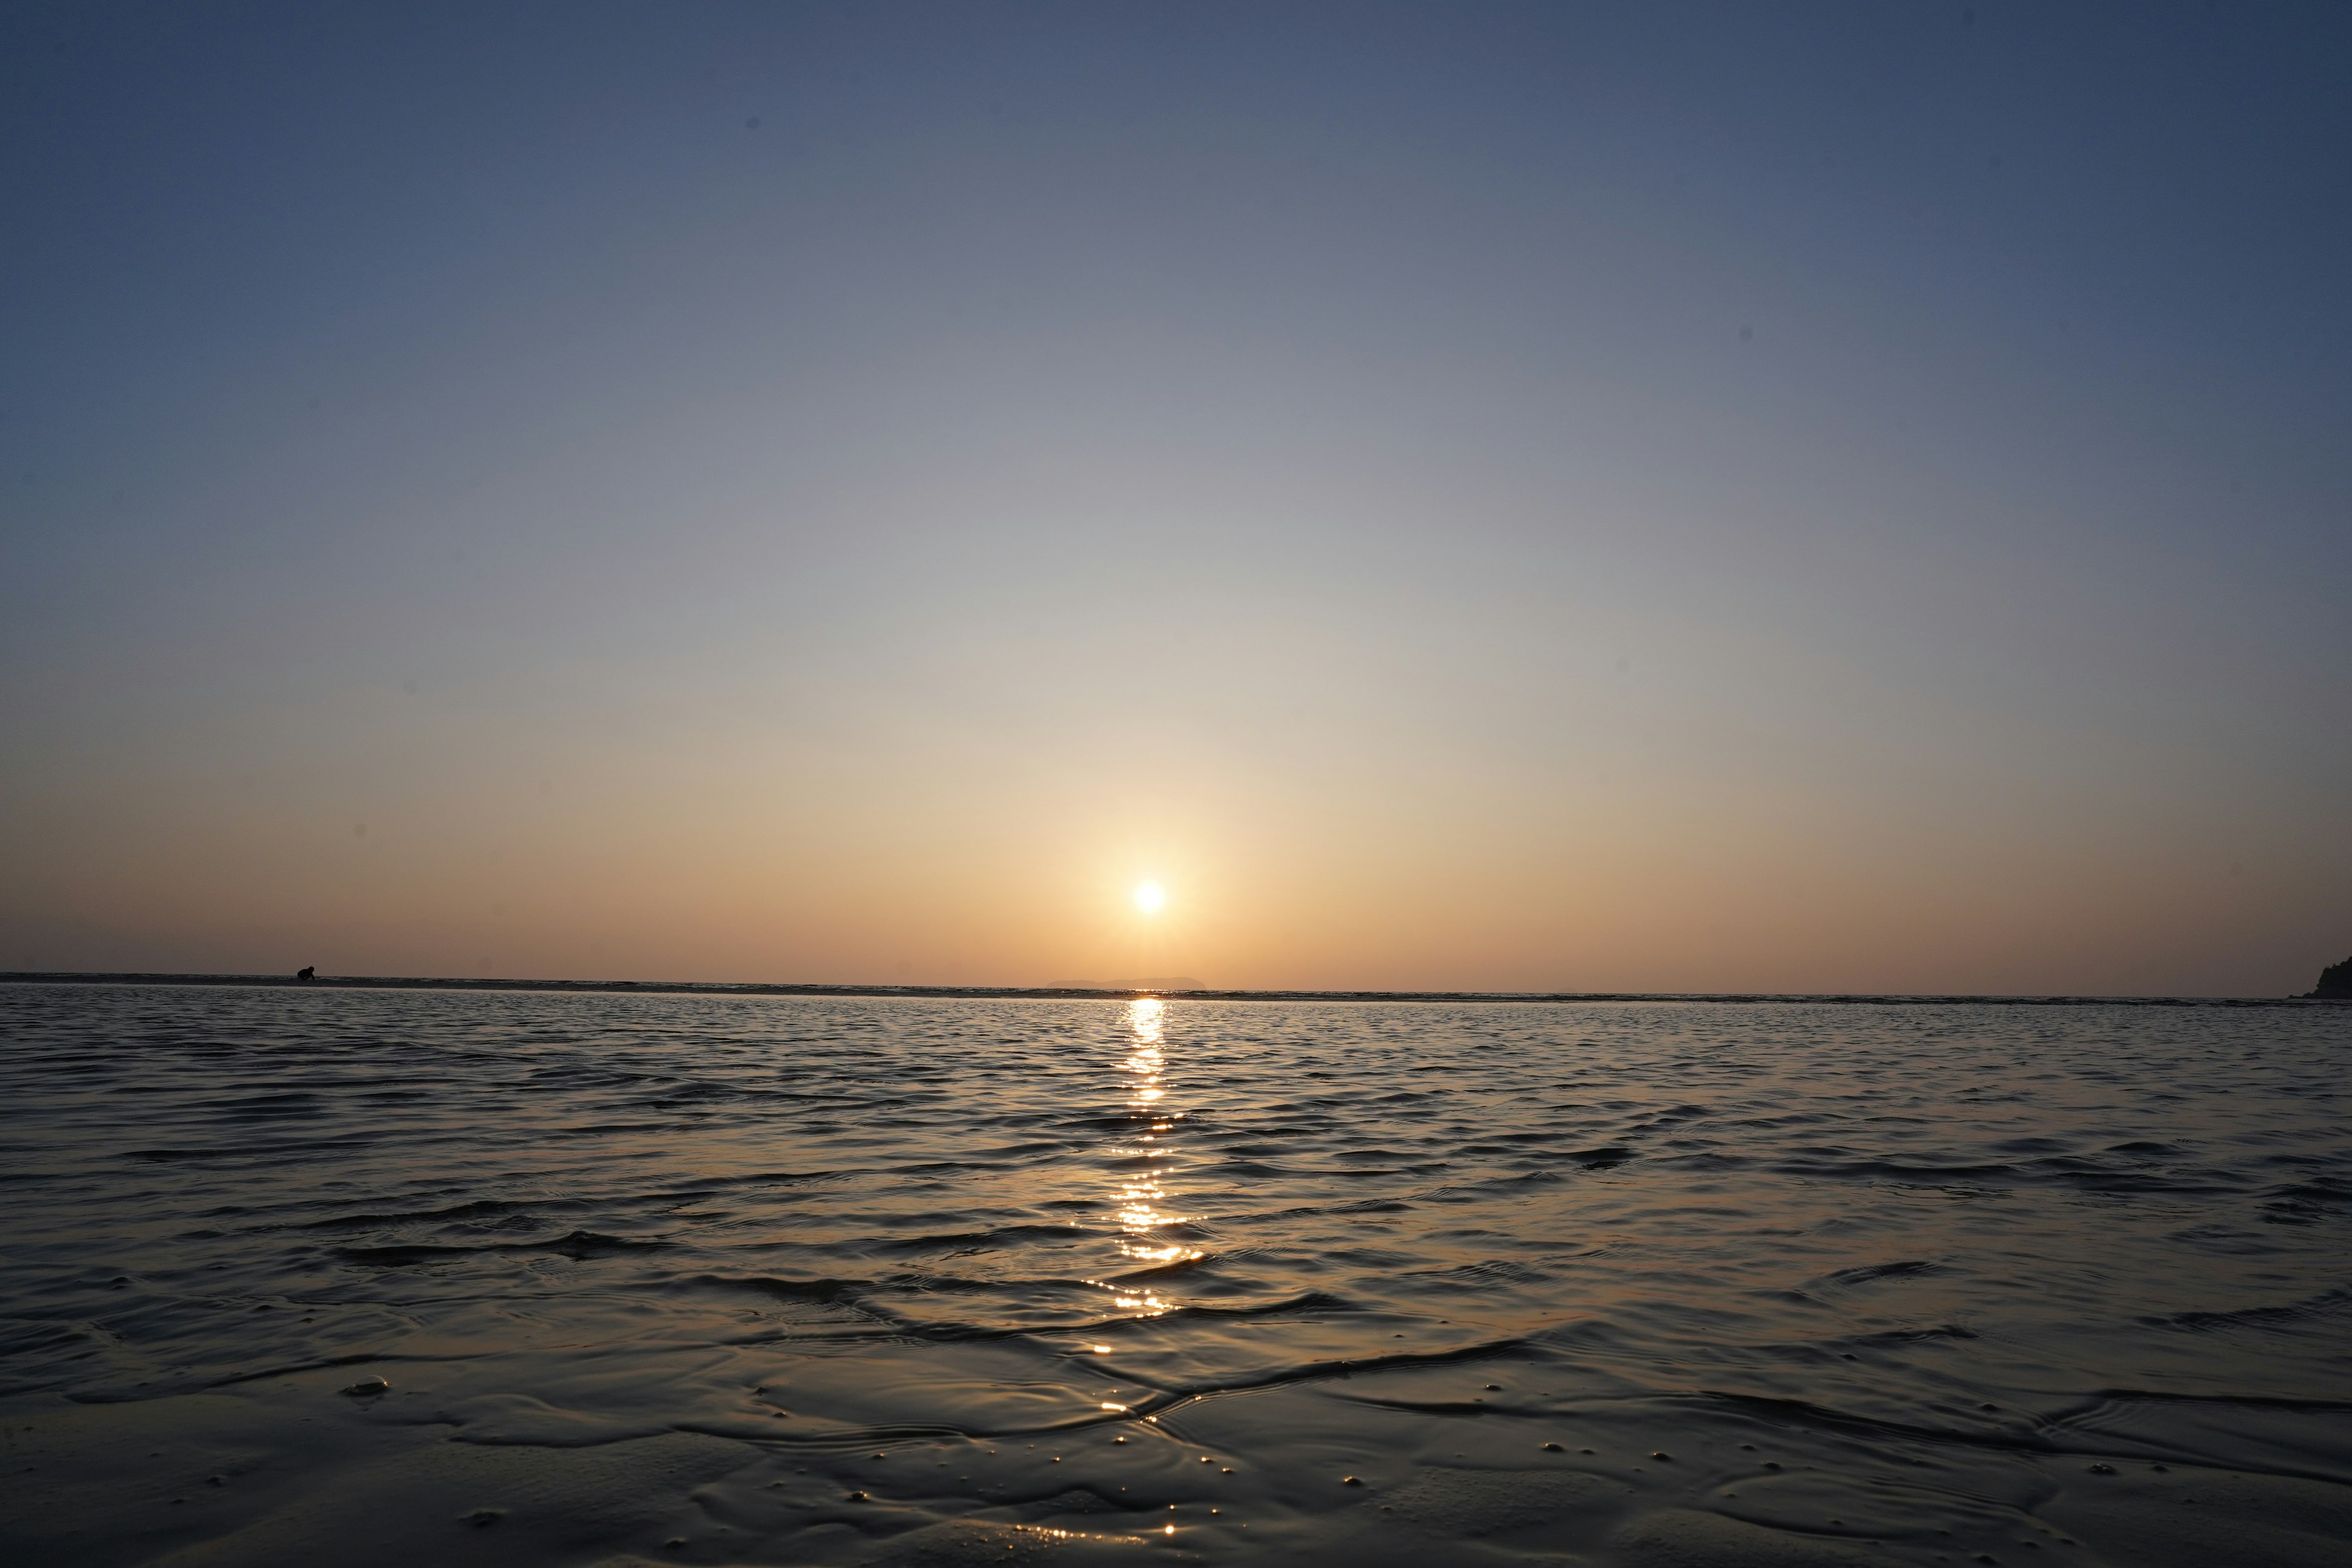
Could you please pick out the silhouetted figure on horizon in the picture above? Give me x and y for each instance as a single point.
(308, 972)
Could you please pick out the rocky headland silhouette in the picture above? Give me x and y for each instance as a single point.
(2334, 983)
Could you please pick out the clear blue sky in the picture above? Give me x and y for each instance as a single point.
(1812, 497)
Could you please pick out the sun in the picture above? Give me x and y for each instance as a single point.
(1148, 897)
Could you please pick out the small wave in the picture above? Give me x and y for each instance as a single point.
(825, 1291)
(2329, 1303)
(398, 1256)
(2226, 1400)
(479, 1208)
(1496, 1271)
(1863, 1169)
(1915, 1336)
(1304, 1301)
(577, 1246)
(582, 1244)
(269, 1108)
(1469, 1192)
(981, 1240)
(1163, 1270)
(1870, 1274)
(2322, 1194)
(248, 1151)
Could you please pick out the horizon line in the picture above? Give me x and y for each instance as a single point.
(1075, 993)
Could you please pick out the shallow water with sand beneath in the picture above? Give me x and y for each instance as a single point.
(722, 1279)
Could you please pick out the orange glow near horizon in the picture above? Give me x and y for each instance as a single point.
(754, 864)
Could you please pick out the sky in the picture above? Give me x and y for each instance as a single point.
(1666, 498)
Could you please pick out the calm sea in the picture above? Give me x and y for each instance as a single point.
(729, 1279)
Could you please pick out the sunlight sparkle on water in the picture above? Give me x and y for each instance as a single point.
(1139, 1200)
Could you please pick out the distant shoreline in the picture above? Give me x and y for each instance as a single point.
(1080, 994)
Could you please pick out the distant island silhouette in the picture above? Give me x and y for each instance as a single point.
(2334, 984)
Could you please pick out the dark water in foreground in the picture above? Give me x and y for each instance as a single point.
(713, 1279)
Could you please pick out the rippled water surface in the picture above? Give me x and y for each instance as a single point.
(713, 1279)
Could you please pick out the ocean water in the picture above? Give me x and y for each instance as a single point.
(695, 1279)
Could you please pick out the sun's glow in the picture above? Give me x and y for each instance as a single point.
(1148, 897)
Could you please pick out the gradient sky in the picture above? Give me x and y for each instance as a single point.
(1658, 498)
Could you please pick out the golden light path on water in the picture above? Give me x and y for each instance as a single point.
(1141, 1197)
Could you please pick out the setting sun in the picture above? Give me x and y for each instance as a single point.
(1148, 897)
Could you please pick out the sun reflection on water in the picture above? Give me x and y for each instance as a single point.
(1141, 1197)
